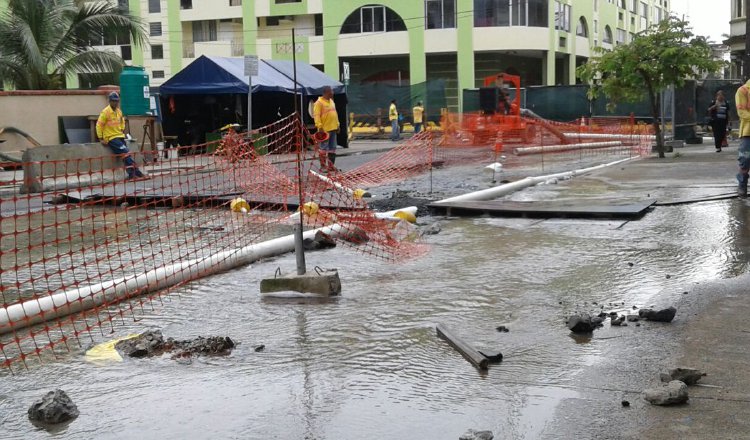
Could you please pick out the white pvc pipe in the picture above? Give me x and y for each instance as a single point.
(502, 190)
(641, 137)
(71, 301)
(520, 151)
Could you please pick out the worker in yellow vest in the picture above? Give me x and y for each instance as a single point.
(742, 98)
(418, 116)
(327, 121)
(110, 129)
(393, 117)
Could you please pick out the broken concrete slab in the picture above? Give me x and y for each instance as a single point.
(663, 315)
(674, 393)
(55, 407)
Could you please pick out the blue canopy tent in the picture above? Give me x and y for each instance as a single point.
(212, 91)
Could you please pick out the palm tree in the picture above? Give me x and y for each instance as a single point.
(43, 41)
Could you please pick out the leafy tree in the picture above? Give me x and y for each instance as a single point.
(665, 54)
(42, 41)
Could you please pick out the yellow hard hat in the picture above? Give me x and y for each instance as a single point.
(405, 215)
(239, 204)
(310, 208)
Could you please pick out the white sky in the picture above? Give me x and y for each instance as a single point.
(707, 17)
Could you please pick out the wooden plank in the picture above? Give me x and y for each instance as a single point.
(466, 350)
(576, 209)
(714, 198)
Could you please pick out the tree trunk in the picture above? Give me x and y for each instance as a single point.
(655, 110)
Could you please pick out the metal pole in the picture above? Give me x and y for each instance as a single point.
(299, 250)
(250, 106)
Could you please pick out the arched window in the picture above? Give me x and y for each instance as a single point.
(372, 18)
(582, 30)
(607, 35)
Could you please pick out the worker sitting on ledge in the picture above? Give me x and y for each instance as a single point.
(110, 129)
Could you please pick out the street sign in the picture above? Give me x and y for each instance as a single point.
(251, 65)
(346, 73)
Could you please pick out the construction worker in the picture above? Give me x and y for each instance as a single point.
(742, 98)
(418, 116)
(393, 117)
(110, 129)
(327, 121)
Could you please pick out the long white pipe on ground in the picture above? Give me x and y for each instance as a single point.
(502, 190)
(520, 151)
(640, 137)
(83, 298)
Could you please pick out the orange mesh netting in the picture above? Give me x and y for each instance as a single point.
(82, 247)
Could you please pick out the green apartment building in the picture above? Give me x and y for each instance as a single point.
(394, 41)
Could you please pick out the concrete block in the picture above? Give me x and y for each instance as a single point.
(55, 167)
(323, 283)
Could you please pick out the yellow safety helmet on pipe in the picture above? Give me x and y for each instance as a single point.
(239, 205)
(405, 215)
(310, 208)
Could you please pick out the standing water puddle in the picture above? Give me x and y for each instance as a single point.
(369, 365)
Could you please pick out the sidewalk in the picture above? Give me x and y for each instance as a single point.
(711, 330)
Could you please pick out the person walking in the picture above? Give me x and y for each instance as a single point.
(327, 121)
(719, 118)
(110, 129)
(742, 98)
(393, 117)
(418, 116)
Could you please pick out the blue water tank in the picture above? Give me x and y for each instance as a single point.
(134, 91)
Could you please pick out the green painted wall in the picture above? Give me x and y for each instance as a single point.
(287, 8)
(136, 51)
(465, 55)
(174, 29)
(249, 27)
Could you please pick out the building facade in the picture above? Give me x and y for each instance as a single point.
(398, 41)
(736, 41)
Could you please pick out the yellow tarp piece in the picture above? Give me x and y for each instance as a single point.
(105, 352)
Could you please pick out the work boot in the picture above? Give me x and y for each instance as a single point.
(742, 191)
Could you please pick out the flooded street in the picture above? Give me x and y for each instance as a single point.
(369, 365)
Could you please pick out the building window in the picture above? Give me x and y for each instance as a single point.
(204, 31)
(494, 13)
(154, 6)
(621, 4)
(126, 52)
(440, 14)
(318, 24)
(186, 4)
(154, 29)
(622, 35)
(644, 15)
(235, 2)
(563, 42)
(157, 74)
(738, 8)
(281, 2)
(596, 27)
(562, 16)
(582, 30)
(634, 6)
(372, 19)
(272, 21)
(157, 52)
(607, 35)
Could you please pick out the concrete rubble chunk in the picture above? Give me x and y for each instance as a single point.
(663, 315)
(320, 241)
(690, 376)
(55, 407)
(582, 323)
(617, 321)
(432, 229)
(673, 393)
(476, 435)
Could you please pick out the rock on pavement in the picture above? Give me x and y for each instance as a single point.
(55, 407)
(583, 323)
(690, 376)
(663, 315)
(673, 393)
(477, 435)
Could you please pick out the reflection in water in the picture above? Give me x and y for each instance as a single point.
(370, 365)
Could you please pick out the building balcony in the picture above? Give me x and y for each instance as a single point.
(224, 48)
